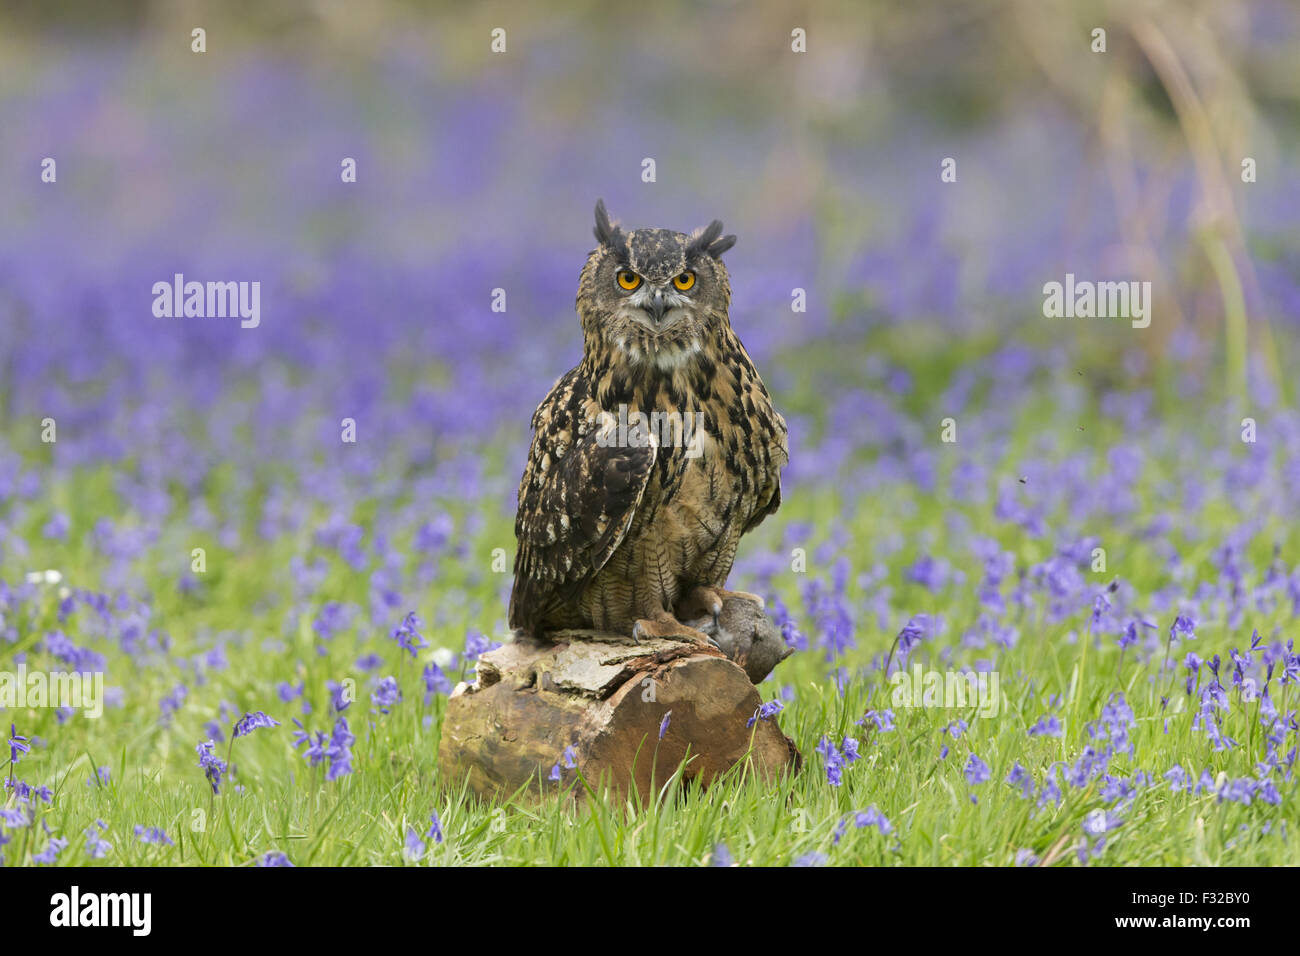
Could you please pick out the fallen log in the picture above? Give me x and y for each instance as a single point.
(607, 698)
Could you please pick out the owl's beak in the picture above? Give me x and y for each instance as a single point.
(657, 308)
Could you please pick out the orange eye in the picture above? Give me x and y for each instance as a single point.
(628, 280)
(684, 281)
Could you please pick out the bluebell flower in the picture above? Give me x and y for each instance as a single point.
(18, 745)
(435, 682)
(154, 835)
(976, 770)
(833, 760)
(340, 750)
(15, 816)
(883, 719)
(871, 817)
(414, 848)
(51, 851)
(101, 777)
(96, 846)
(765, 712)
(386, 694)
(212, 766)
(408, 636)
(250, 722)
(1048, 725)
(811, 859)
(1020, 779)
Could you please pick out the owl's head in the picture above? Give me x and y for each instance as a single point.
(654, 296)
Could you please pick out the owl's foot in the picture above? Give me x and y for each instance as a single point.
(668, 628)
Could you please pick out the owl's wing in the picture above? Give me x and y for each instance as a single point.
(768, 496)
(577, 498)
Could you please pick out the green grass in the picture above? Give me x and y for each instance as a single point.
(361, 819)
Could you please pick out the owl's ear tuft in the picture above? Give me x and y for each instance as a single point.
(710, 242)
(607, 234)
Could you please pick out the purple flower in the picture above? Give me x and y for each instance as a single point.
(435, 828)
(663, 724)
(871, 817)
(15, 816)
(1049, 725)
(477, 643)
(435, 682)
(155, 835)
(172, 703)
(721, 856)
(910, 636)
(1020, 779)
(250, 722)
(340, 695)
(340, 750)
(408, 636)
(96, 846)
(414, 845)
(386, 694)
(1099, 822)
(1050, 790)
(273, 858)
(834, 761)
(765, 712)
(883, 719)
(212, 766)
(976, 771)
(18, 745)
(51, 851)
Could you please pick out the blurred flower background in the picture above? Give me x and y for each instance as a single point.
(479, 170)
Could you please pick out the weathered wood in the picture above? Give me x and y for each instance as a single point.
(605, 696)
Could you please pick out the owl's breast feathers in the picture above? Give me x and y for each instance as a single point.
(581, 492)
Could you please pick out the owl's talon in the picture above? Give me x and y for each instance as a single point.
(669, 629)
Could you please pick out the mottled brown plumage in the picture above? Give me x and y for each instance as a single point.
(628, 529)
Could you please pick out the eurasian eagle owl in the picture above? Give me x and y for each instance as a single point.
(654, 455)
